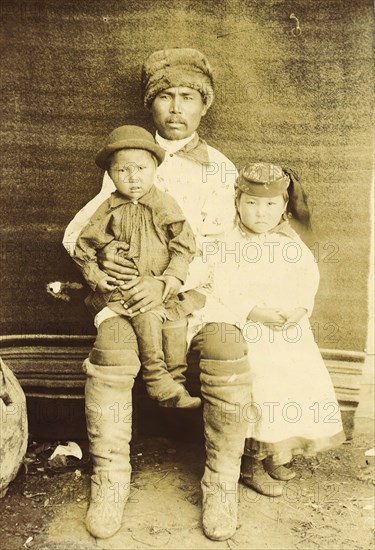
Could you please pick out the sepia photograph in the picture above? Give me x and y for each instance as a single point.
(187, 275)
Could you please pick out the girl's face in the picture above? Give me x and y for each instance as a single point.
(260, 214)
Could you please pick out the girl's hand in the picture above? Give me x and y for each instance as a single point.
(172, 286)
(268, 316)
(295, 315)
(112, 259)
(106, 284)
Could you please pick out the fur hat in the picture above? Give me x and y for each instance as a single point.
(177, 67)
(129, 137)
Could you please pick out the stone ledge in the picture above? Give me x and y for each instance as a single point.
(49, 367)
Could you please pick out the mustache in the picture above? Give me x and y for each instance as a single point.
(175, 119)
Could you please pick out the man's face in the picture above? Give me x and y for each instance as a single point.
(177, 112)
(132, 171)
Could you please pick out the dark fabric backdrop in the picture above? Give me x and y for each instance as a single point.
(70, 73)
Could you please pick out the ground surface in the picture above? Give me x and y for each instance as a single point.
(330, 504)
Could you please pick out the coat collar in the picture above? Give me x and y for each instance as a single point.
(283, 228)
(195, 149)
(117, 199)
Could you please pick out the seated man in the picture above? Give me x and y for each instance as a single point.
(177, 87)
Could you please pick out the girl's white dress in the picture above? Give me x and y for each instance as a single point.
(293, 408)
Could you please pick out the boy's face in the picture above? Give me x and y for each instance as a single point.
(177, 112)
(260, 214)
(132, 171)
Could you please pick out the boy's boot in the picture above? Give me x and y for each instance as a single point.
(182, 400)
(254, 475)
(108, 402)
(159, 378)
(226, 392)
(175, 348)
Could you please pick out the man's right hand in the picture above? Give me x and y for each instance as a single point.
(112, 259)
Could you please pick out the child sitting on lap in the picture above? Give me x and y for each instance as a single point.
(161, 244)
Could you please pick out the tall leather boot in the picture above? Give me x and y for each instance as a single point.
(226, 392)
(175, 348)
(108, 395)
(160, 382)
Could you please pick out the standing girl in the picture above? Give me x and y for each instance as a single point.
(264, 280)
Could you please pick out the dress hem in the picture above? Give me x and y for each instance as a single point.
(282, 452)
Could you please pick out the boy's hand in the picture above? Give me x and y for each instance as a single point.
(172, 286)
(112, 259)
(268, 316)
(106, 284)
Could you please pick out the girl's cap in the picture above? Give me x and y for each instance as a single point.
(262, 179)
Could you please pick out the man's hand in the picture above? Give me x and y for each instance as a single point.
(112, 259)
(146, 293)
(172, 286)
(268, 316)
(106, 284)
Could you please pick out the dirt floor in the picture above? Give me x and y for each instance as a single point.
(329, 505)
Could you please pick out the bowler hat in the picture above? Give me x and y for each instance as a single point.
(129, 137)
